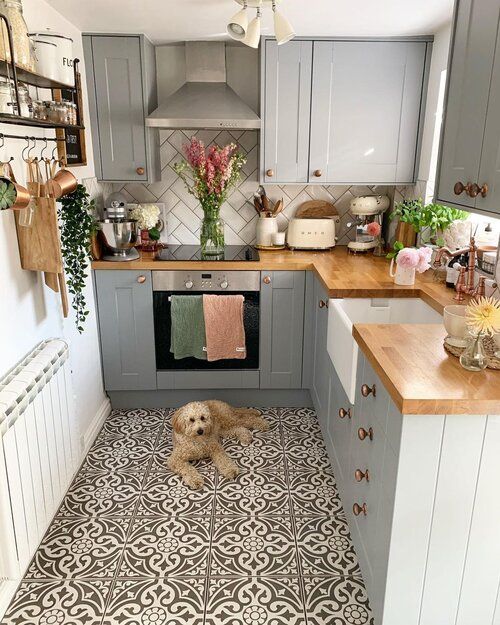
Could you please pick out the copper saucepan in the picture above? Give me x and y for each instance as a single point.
(62, 183)
(22, 194)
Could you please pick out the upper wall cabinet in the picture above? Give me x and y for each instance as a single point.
(121, 78)
(343, 112)
(469, 163)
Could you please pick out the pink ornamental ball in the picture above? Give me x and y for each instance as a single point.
(373, 229)
(408, 257)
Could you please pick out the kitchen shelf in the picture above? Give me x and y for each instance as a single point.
(32, 78)
(9, 118)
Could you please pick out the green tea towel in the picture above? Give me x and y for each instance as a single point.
(188, 327)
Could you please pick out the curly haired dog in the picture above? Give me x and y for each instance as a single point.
(197, 430)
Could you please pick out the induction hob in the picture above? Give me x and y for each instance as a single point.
(193, 252)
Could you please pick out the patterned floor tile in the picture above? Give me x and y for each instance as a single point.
(58, 602)
(77, 548)
(314, 493)
(306, 452)
(264, 452)
(325, 547)
(335, 601)
(255, 601)
(133, 422)
(130, 453)
(253, 546)
(156, 602)
(253, 492)
(167, 547)
(164, 494)
(103, 494)
(299, 422)
(162, 452)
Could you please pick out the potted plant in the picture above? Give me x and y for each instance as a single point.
(427, 221)
(77, 225)
(148, 222)
(208, 175)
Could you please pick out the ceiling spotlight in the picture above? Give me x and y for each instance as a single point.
(238, 24)
(283, 30)
(252, 38)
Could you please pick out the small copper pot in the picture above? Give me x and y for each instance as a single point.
(23, 196)
(62, 183)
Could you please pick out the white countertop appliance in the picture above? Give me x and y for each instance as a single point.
(368, 211)
(311, 234)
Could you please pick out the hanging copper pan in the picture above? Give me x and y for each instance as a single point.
(22, 194)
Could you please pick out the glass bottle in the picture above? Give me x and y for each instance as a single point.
(474, 358)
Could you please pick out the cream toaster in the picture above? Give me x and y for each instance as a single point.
(311, 234)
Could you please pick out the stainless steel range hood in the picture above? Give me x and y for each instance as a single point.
(205, 100)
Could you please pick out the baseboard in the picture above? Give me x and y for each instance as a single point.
(264, 398)
(96, 425)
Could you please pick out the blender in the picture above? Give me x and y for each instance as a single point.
(368, 211)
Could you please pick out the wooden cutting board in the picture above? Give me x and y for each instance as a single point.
(316, 209)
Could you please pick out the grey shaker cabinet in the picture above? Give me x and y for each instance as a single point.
(121, 80)
(366, 110)
(286, 102)
(281, 328)
(125, 309)
(343, 111)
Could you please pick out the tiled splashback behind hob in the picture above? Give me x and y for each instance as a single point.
(182, 212)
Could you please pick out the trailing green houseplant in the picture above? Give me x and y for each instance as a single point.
(77, 224)
(434, 218)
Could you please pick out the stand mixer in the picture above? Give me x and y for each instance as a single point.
(368, 211)
(119, 233)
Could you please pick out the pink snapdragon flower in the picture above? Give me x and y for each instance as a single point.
(408, 257)
(425, 254)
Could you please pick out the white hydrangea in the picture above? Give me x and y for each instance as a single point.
(146, 215)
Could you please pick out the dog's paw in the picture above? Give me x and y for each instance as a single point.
(245, 438)
(194, 481)
(264, 425)
(231, 472)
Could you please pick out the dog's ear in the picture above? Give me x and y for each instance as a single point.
(178, 422)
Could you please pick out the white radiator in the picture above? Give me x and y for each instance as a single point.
(38, 451)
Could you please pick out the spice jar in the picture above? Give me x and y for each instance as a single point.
(6, 95)
(24, 101)
(23, 54)
(39, 110)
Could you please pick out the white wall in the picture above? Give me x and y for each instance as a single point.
(29, 311)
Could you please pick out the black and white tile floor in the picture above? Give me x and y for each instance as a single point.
(131, 545)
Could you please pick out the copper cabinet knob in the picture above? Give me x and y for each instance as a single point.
(140, 171)
(476, 190)
(460, 187)
(357, 509)
(360, 476)
(343, 413)
(318, 173)
(141, 279)
(267, 280)
(367, 390)
(322, 303)
(270, 173)
(362, 434)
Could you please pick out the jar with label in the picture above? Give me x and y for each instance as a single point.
(23, 51)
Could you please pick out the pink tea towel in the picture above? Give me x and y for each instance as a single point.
(224, 327)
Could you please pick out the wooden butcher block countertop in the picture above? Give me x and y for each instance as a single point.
(410, 359)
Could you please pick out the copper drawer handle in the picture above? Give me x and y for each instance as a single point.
(270, 173)
(360, 476)
(343, 413)
(476, 190)
(323, 303)
(362, 434)
(367, 390)
(141, 279)
(140, 171)
(357, 509)
(267, 280)
(460, 187)
(318, 173)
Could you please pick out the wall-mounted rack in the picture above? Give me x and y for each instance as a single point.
(4, 135)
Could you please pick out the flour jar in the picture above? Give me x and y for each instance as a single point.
(63, 55)
(45, 58)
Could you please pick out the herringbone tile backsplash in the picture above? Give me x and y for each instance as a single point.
(182, 213)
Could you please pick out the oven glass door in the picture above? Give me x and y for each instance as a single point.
(162, 320)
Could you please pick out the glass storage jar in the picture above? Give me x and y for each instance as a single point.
(23, 51)
(24, 100)
(6, 95)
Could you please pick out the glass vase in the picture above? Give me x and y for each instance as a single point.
(473, 358)
(212, 234)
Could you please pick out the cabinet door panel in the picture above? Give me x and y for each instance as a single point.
(467, 98)
(366, 100)
(287, 85)
(126, 330)
(282, 327)
(120, 107)
(320, 382)
(489, 172)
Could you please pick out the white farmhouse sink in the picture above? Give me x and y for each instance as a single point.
(344, 313)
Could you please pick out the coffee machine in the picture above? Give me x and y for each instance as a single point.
(368, 211)
(119, 233)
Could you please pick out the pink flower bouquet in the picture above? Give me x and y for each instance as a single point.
(412, 258)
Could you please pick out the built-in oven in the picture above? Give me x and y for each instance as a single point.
(169, 283)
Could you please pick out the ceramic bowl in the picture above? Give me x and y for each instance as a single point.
(454, 322)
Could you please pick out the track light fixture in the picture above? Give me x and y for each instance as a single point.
(249, 33)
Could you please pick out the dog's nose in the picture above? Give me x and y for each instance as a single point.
(200, 431)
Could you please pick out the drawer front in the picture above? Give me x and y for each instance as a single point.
(339, 423)
(371, 396)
